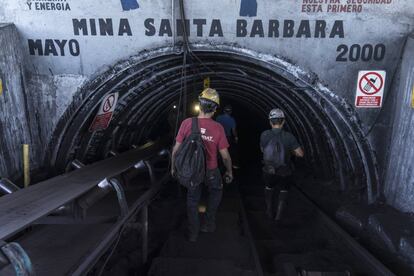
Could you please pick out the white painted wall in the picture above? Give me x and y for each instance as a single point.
(377, 23)
(56, 78)
(386, 24)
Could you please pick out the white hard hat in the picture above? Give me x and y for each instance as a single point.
(276, 113)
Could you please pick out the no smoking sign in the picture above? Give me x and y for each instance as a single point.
(370, 89)
(105, 112)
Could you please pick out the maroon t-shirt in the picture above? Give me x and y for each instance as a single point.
(213, 136)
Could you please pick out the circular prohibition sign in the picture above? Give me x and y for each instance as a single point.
(109, 102)
(371, 83)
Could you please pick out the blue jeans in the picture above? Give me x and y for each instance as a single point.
(214, 184)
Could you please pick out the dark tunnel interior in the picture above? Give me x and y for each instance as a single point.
(150, 84)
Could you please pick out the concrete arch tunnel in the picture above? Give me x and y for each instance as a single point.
(79, 199)
(149, 83)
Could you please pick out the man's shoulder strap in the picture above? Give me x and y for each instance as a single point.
(276, 137)
(194, 126)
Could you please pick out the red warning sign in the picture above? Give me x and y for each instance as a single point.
(370, 89)
(105, 112)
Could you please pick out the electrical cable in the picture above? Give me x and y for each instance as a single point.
(183, 84)
(180, 98)
(192, 54)
(188, 50)
(184, 27)
(181, 103)
(173, 20)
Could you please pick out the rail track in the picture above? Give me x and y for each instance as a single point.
(305, 242)
(40, 238)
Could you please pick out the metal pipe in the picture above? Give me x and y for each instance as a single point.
(139, 165)
(18, 258)
(4, 261)
(150, 171)
(94, 195)
(112, 153)
(104, 187)
(77, 164)
(117, 186)
(7, 187)
(63, 210)
(92, 258)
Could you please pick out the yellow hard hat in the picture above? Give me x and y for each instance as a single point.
(211, 95)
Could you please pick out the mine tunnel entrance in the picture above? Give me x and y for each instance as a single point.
(150, 84)
(135, 212)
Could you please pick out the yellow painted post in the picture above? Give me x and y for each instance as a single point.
(207, 83)
(412, 97)
(1, 87)
(26, 165)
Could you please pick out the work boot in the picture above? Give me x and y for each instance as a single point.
(209, 223)
(268, 194)
(192, 237)
(281, 205)
(208, 227)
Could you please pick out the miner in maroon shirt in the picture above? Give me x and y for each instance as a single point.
(214, 139)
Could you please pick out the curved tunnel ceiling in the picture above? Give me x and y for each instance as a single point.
(149, 83)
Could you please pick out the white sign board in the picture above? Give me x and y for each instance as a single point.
(105, 112)
(370, 89)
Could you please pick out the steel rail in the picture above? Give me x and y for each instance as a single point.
(248, 232)
(376, 267)
(371, 263)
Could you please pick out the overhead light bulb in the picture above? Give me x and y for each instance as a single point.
(197, 108)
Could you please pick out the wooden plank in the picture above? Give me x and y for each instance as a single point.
(18, 210)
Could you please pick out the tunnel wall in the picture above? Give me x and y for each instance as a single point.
(15, 117)
(399, 175)
(30, 104)
(72, 41)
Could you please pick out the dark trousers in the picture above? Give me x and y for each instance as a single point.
(214, 185)
(276, 186)
(234, 151)
(277, 182)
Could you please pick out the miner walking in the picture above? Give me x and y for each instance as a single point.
(278, 146)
